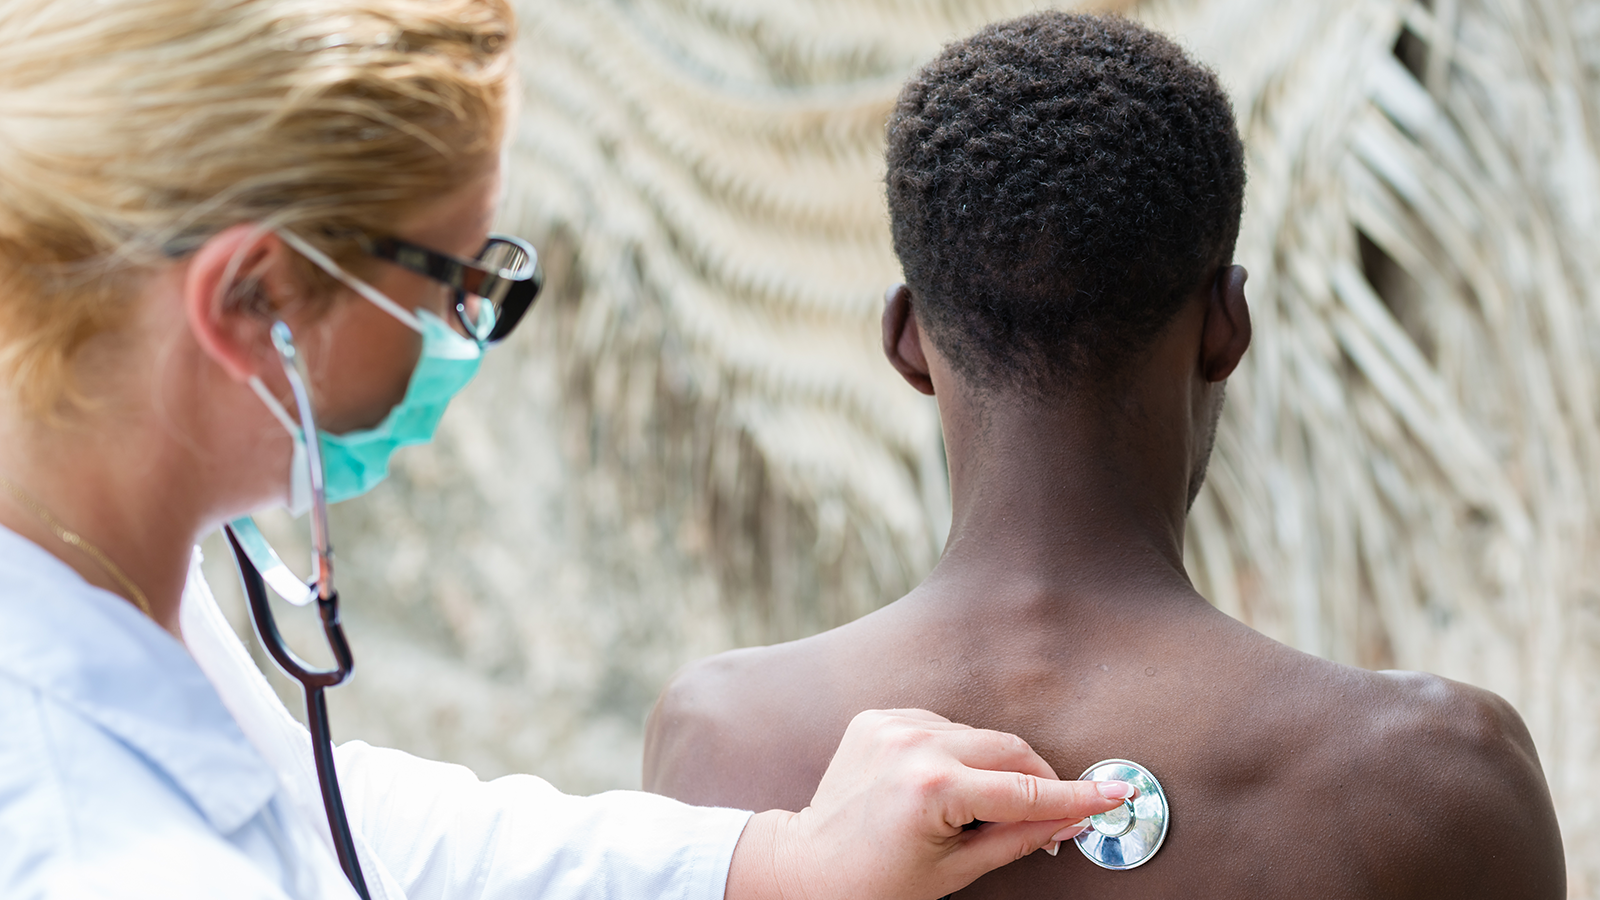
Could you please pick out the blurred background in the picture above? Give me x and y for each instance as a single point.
(694, 444)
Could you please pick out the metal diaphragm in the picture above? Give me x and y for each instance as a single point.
(1129, 835)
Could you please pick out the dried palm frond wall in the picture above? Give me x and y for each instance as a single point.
(695, 444)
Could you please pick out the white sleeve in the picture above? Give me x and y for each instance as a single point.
(445, 835)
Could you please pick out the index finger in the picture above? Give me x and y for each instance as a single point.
(921, 715)
(1017, 797)
(997, 751)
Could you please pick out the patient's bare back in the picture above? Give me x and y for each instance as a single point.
(1287, 775)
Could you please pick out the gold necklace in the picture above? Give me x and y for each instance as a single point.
(75, 539)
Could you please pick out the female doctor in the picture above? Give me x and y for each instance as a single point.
(189, 191)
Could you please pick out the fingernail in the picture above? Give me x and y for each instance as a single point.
(1071, 831)
(1053, 848)
(1116, 790)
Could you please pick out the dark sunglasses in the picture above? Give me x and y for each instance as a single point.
(492, 291)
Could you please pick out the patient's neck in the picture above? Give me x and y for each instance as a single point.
(1071, 497)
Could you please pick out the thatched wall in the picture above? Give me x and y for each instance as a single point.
(693, 443)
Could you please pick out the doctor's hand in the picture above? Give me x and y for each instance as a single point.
(887, 821)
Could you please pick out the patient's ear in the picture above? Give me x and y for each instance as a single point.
(1227, 328)
(229, 290)
(902, 339)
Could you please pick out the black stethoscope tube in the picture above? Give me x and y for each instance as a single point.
(313, 682)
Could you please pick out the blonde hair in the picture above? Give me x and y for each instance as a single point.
(132, 130)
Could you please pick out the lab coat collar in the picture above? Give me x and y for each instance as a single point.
(99, 655)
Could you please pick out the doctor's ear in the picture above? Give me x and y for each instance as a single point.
(234, 288)
(902, 338)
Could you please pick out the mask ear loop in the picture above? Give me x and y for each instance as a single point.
(313, 681)
(371, 294)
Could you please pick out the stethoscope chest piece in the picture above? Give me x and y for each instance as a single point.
(1129, 835)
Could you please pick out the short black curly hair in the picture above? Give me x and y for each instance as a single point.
(1057, 184)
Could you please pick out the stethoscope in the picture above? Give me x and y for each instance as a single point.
(259, 565)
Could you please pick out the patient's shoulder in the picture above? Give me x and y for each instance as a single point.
(688, 723)
(1384, 716)
(1439, 719)
(715, 733)
(1453, 777)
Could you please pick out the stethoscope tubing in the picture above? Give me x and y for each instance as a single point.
(312, 681)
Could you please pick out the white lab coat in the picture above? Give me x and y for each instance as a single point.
(131, 768)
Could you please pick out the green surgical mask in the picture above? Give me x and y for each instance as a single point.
(356, 461)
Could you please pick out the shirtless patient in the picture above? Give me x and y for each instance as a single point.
(1065, 194)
